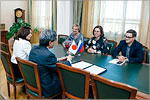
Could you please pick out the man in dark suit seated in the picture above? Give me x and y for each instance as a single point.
(46, 61)
(131, 50)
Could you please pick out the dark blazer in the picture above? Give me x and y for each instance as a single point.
(136, 53)
(46, 61)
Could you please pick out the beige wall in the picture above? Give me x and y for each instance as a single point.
(7, 11)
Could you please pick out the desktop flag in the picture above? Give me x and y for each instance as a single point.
(73, 48)
(80, 47)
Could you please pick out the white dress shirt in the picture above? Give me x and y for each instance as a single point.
(21, 49)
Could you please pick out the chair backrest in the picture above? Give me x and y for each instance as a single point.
(144, 47)
(86, 39)
(30, 73)
(5, 58)
(107, 89)
(74, 81)
(145, 50)
(5, 47)
(112, 45)
(146, 56)
(62, 38)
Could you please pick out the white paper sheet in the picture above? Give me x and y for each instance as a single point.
(114, 61)
(81, 64)
(95, 69)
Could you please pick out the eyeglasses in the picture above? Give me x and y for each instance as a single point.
(128, 37)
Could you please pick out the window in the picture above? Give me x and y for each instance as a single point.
(42, 14)
(117, 17)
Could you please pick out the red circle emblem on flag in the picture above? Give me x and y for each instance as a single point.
(74, 47)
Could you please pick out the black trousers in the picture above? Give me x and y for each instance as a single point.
(16, 71)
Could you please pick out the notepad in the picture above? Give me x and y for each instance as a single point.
(115, 61)
(95, 69)
(81, 64)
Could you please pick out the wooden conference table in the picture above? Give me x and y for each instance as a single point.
(134, 74)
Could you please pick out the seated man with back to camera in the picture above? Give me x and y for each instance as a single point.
(131, 50)
(46, 61)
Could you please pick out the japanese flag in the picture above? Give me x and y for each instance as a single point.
(73, 48)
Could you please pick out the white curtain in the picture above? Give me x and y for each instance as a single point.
(64, 16)
(116, 17)
(144, 32)
(42, 14)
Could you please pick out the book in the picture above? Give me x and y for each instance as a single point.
(95, 69)
(81, 64)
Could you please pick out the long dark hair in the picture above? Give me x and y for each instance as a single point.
(101, 30)
(23, 32)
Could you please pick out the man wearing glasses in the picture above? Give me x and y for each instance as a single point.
(131, 50)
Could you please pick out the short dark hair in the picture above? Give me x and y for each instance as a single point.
(46, 36)
(23, 32)
(101, 30)
(133, 32)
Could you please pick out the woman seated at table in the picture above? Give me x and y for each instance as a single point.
(75, 35)
(21, 48)
(98, 43)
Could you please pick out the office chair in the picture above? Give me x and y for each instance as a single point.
(10, 75)
(107, 89)
(5, 47)
(112, 45)
(62, 38)
(74, 82)
(30, 73)
(146, 56)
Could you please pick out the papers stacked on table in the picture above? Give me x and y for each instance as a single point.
(81, 64)
(93, 69)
